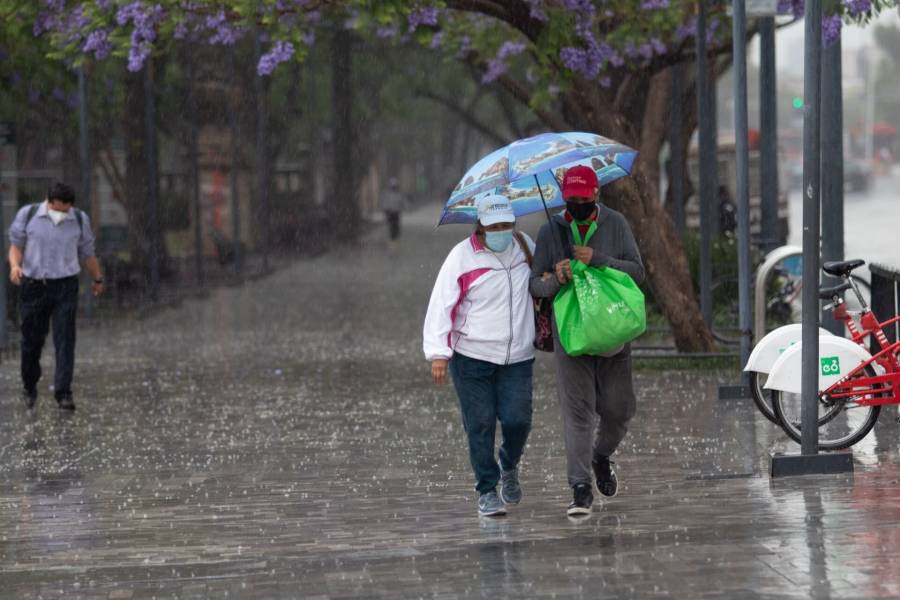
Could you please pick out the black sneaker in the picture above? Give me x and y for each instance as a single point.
(607, 482)
(65, 402)
(29, 397)
(582, 500)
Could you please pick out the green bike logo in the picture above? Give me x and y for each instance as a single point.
(831, 365)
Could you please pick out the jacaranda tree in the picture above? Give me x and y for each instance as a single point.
(594, 65)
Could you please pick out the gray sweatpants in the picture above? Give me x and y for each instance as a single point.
(596, 397)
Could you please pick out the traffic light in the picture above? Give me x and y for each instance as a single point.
(797, 102)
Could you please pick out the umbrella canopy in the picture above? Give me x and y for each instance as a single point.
(528, 168)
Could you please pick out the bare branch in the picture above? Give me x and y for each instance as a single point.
(466, 115)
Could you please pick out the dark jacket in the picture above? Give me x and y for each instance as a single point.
(613, 245)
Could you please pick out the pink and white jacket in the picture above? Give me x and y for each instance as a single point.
(480, 305)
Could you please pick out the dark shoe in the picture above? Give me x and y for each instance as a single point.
(607, 482)
(29, 397)
(66, 402)
(582, 500)
(510, 490)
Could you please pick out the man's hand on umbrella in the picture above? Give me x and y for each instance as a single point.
(583, 254)
(439, 370)
(563, 271)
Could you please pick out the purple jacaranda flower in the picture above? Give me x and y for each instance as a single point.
(180, 32)
(387, 31)
(536, 11)
(605, 82)
(280, 52)
(137, 54)
(97, 42)
(856, 8)
(654, 4)
(422, 15)
(497, 65)
(103, 5)
(308, 38)
(658, 46)
(831, 29)
(436, 40)
(58, 95)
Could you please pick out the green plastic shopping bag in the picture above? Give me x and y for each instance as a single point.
(600, 309)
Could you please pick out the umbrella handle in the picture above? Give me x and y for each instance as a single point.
(556, 242)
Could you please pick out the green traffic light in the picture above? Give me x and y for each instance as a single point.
(798, 103)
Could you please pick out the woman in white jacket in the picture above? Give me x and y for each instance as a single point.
(480, 328)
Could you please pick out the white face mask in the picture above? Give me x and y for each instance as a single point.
(56, 215)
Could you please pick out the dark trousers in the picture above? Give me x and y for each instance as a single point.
(596, 395)
(43, 301)
(488, 392)
(393, 221)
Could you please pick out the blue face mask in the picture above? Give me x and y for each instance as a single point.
(498, 241)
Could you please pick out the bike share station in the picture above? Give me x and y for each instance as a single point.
(823, 389)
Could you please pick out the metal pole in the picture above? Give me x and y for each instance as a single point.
(742, 151)
(676, 153)
(262, 157)
(832, 165)
(153, 180)
(84, 158)
(770, 236)
(706, 165)
(235, 165)
(193, 159)
(812, 77)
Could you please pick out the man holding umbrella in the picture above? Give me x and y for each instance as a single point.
(596, 393)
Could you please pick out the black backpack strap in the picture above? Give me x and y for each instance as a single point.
(32, 210)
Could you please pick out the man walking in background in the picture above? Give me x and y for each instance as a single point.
(49, 242)
(392, 204)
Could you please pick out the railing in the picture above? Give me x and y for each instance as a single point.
(885, 298)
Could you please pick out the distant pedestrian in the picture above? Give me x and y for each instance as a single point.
(480, 327)
(49, 242)
(392, 203)
(588, 386)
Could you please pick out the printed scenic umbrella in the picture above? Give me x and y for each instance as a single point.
(528, 172)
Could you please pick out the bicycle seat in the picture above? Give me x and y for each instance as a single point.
(831, 292)
(842, 268)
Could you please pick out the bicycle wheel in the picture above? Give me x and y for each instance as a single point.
(760, 398)
(842, 422)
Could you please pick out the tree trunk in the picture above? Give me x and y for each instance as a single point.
(137, 180)
(343, 185)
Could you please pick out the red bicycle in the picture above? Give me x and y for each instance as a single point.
(849, 404)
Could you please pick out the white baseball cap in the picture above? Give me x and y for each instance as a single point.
(495, 208)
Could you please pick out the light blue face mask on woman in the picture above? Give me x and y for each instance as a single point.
(498, 241)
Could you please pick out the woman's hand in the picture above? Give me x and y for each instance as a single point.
(439, 370)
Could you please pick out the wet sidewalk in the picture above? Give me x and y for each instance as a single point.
(283, 439)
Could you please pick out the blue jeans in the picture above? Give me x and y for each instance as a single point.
(488, 392)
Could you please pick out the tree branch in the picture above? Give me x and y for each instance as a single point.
(466, 115)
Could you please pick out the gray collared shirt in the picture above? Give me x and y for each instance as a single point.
(51, 251)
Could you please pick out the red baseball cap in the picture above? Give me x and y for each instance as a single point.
(579, 181)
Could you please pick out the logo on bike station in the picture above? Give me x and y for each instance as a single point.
(831, 365)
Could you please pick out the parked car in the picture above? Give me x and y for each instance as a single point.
(857, 175)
